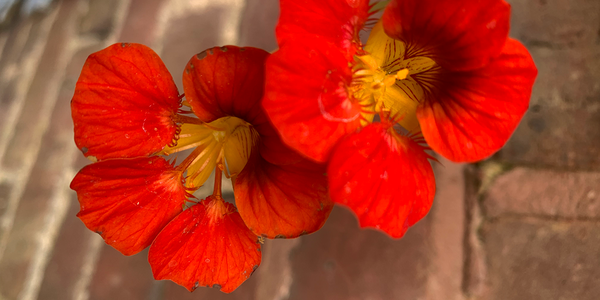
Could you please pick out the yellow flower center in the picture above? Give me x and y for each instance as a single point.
(227, 141)
(388, 81)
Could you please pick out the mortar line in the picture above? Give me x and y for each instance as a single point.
(230, 31)
(54, 219)
(539, 217)
(3, 39)
(121, 14)
(162, 19)
(230, 34)
(59, 201)
(92, 254)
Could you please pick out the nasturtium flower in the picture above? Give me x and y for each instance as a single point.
(129, 116)
(433, 74)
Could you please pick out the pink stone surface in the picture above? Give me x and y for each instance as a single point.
(562, 127)
(545, 193)
(532, 259)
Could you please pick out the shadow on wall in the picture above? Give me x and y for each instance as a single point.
(9, 9)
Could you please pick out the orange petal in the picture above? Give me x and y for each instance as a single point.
(206, 245)
(225, 81)
(128, 201)
(282, 201)
(123, 103)
(384, 177)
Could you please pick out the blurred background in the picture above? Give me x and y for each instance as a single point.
(524, 224)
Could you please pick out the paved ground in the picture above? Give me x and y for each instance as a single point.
(524, 224)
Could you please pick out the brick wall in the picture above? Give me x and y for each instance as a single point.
(524, 224)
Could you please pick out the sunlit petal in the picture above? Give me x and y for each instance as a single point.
(123, 104)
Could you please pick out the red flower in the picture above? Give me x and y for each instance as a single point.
(126, 111)
(442, 72)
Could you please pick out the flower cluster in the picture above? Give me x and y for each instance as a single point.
(128, 116)
(438, 74)
(325, 119)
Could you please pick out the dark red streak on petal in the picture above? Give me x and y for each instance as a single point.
(472, 114)
(458, 35)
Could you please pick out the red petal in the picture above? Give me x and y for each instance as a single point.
(123, 103)
(458, 35)
(473, 114)
(282, 201)
(128, 201)
(225, 81)
(332, 21)
(386, 179)
(307, 97)
(206, 245)
(271, 147)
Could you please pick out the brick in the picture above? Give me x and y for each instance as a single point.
(189, 34)
(34, 206)
(547, 193)
(447, 235)
(3, 37)
(5, 190)
(12, 282)
(257, 28)
(23, 45)
(141, 22)
(535, 259)
(29, 218)
(65, 265)
(246, 291)
(120, 277)
(128, 278)
(562, 126)
(8, 12)
(32, 6)
(21, 242)
(100, 18)
(34, 216)
(556, 23)
(40, 100)
(275, 271)
(341, 261)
